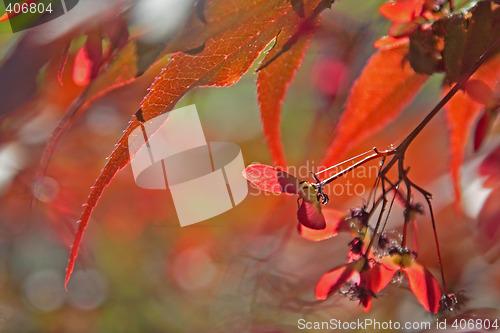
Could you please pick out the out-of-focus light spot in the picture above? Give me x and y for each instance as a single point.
(193, 269)
(44, 290)
(328, 75)
(104, 120)
(474, 196)
(39, 129)
(81, 14)
(46, 189)
(233, 119)
(12, 159)
(4, 277)
(261, 246)
(160, 18)
(115, 227)
(87, 290)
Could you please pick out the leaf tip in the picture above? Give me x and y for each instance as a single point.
(69, 271)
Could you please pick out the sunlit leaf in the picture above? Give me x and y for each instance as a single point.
(401, 11)
(379, 276)
(334, 279)
(386, 86)
(237, 38)
(424, 286)
(281, 64)
(228, 54)
(389, 42)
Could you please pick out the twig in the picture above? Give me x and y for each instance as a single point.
(376, 154)
(377, 226)
(438, 251)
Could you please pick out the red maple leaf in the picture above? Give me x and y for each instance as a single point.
(229, 40)
(384, 88)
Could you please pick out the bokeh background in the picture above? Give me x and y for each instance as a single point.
(247, 270)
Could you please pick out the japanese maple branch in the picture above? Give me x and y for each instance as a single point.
(375, 155)
(401, 149)
(379, 220)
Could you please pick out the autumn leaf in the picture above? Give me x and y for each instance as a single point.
(281, 64)
(228, 55)
(334, 279)
(389, 42)
(462, 112)
(386, 86)
(401, 11)
(424, 286)
(421, 281)
(235, 38)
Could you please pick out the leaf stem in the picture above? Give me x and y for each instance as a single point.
(379, 220)
(396, 192)
(367, 159)
(384, 201)
(438, 251)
